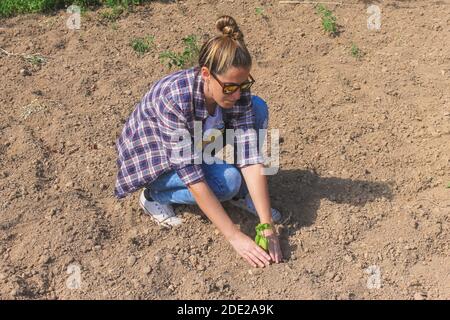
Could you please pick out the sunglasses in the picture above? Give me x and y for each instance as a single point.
(229, 87)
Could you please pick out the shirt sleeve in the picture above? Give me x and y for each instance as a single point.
(177, 142)
(242, 121)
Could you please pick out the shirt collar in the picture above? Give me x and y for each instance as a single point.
(201, 112)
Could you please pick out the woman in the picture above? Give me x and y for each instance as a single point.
(217, 93)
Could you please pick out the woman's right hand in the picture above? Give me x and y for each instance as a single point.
(249, 250)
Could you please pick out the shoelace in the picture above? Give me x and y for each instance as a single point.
(166, 215)
(251, 206)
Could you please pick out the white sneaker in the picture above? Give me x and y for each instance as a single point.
(247, 205)
(162, 214)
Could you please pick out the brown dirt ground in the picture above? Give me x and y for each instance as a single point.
(365, 156)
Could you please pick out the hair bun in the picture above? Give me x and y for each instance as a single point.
(228, 30)
(228, 27)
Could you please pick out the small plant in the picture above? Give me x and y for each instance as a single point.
(142, 45)
(185, 59)
(259, 11)
(448, 185)
(111, 14)
(191, 50)
(35, 59)
(355, 51)
(328, 20)
(115, 8)
(171, 59)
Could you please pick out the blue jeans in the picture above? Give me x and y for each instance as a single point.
(225, 180)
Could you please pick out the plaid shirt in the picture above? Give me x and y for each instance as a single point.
(148, 143)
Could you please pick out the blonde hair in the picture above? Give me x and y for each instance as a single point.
(226, 50)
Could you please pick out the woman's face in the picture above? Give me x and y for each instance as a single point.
(213, 89)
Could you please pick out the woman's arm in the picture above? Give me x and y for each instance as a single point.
(211, 206)
(259, 192)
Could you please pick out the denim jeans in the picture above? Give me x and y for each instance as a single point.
(224, 179)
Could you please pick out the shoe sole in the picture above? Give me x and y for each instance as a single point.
(159, 223)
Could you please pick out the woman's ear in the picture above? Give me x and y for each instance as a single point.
(206, 75)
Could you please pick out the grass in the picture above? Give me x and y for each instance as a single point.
(182, 60)
(448, 185)
(142, 45)
(9, 8)
(36, 60)
(259, 11)
(115, 8)
(111, 14)
(33, 59)
(123, 3)
(328, 20)
(355, 51)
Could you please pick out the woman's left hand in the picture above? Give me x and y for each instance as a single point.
(274, 245)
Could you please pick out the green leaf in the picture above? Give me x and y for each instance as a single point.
(260, 239)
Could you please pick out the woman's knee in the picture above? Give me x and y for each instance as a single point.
(230, 183)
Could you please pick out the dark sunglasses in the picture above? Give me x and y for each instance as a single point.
(229, 87)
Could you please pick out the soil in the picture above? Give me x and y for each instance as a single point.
(364, 163)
